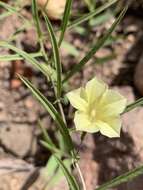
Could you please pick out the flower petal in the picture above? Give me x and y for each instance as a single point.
(110, 129)
(94, 89)
(112, 103)
(76, 98)
(82, 123)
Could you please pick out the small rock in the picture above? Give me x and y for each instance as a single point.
(15, 83)
(16, 174)
(29, 102)
(133, 121)
(133, 124)
(17, 139)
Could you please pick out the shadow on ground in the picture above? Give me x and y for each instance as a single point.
(116, 156)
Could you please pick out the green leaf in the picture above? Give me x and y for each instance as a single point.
(36, 18)
(5, 14)
(56, 56)
(51, 73)
(65, 20)
(15, 57)
(25, 55)
(96, 47)
(134, 105)
(52, 149)
(113, 39)
(70, 178)
(52, 111)
(91, 14)
(122, 179)
(8, 7)
(38, 28)
(13, 10)
(61, 142)
(45, 134)
(48, 143)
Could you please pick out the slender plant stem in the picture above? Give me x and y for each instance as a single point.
(59, 104)
(62, 112)
(74, 161)
(80, 175)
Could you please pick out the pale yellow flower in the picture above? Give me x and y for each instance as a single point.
(98, 108)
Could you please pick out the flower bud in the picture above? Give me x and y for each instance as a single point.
(54, 8)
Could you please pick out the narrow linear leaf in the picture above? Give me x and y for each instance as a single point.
(36, 18)
(5, 14)
(52, 111)
(56, 56)
(45, 134)
(128, 176)
(26, 56)
(48, 143)
(65, 20)
(52, 149)
(71, 180)
(96, 47)
(90, 15)
(51, 73)
(12, 10)
(38, 28)
(134, 105)
(112, 39)
(8, 7)
(15, 57)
